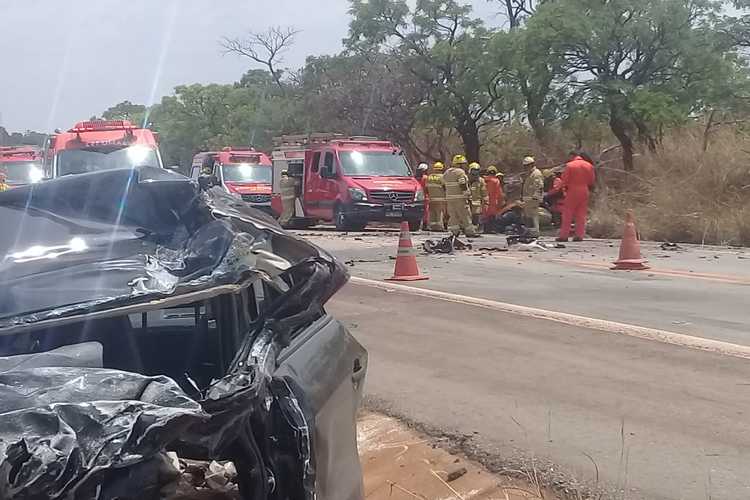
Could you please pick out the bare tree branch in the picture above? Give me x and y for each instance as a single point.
(266, 48)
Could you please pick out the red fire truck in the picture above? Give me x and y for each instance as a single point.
(21, 165)
(240, 171)
(350, 181)
(102, 145)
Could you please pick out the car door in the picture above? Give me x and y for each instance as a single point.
(327, 367)
(314, 186)
(329, 185)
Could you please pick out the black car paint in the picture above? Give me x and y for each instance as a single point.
(154, 240)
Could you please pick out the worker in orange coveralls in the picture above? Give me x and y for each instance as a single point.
(577, 181)
(496, 196)
(554, 198)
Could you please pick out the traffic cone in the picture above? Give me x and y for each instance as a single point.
(630, 249)
(406, 259)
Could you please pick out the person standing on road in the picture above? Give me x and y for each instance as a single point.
(532, 193)
(289, 187)
(479, 197)
(577, 181)
(554, 197)
(421, 176)
(495, 198)
(435, 190)
(3, 182)
(457, 196)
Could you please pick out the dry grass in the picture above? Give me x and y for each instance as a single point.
(680, 193)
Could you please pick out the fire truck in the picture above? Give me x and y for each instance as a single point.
(241, 171)
(350, 181)
(91, 146)
(22, 165)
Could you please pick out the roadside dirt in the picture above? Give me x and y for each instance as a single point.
(400, 463)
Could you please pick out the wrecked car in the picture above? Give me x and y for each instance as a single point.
(159, 340)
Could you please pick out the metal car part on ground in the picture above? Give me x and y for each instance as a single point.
(91, 400)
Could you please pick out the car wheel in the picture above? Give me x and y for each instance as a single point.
(414, 225)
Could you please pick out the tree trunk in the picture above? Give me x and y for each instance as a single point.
(619, 129)
(469, 133)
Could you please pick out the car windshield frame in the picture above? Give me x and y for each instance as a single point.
(25, 167)
(101, 158)
(373, 164)
(259, 173)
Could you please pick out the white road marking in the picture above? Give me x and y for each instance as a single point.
(640, 332)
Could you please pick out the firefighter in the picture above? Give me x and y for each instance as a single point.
(289, 187)
(479, 197)
(457, 196)
(435, 190)
(532, 193)
(3, 182)
(577, 181)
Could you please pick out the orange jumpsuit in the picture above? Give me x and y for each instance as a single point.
(557, 187)
(495, 193)
(577, 181)
(426, 217)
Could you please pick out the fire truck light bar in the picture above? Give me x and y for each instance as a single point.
(102, 125)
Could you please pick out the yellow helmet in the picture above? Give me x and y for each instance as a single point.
(500, 174)
(438, 166)
(459, 160)
(547, 173)
(474, 166)
(529, 160)
(492, 169)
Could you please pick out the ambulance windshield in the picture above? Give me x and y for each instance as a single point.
(22, 172)
(374, 163)
(80, 161)
(247, 172)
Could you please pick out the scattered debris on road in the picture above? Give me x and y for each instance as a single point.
(401, 463)
(673, 247)
(446, 245)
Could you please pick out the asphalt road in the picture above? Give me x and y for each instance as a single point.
(637, 418)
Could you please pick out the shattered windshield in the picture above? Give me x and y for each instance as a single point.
(374, 163)
(247, 172)
(22, 172)
(80, 161)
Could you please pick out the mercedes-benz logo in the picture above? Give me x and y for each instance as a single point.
(393, 196)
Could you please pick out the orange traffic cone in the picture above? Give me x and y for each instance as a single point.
(630, 249)
(406, 260)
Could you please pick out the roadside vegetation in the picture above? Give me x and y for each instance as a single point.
(657, 91)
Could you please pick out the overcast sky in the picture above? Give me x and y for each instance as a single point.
(63, 61)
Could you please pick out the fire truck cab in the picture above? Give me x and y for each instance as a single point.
(21, 165)
(241, 172)
(102, 145)
(350, 181)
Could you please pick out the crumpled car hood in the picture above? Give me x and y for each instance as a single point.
(90, 242)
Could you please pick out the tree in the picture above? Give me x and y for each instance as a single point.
(636, 56)
(266, 48)
(363, 94)
(446, 49)
(126, 110)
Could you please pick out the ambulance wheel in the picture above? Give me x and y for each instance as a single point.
(415, 225)
(344, 223)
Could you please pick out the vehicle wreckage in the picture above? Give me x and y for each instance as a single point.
(148, 325)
